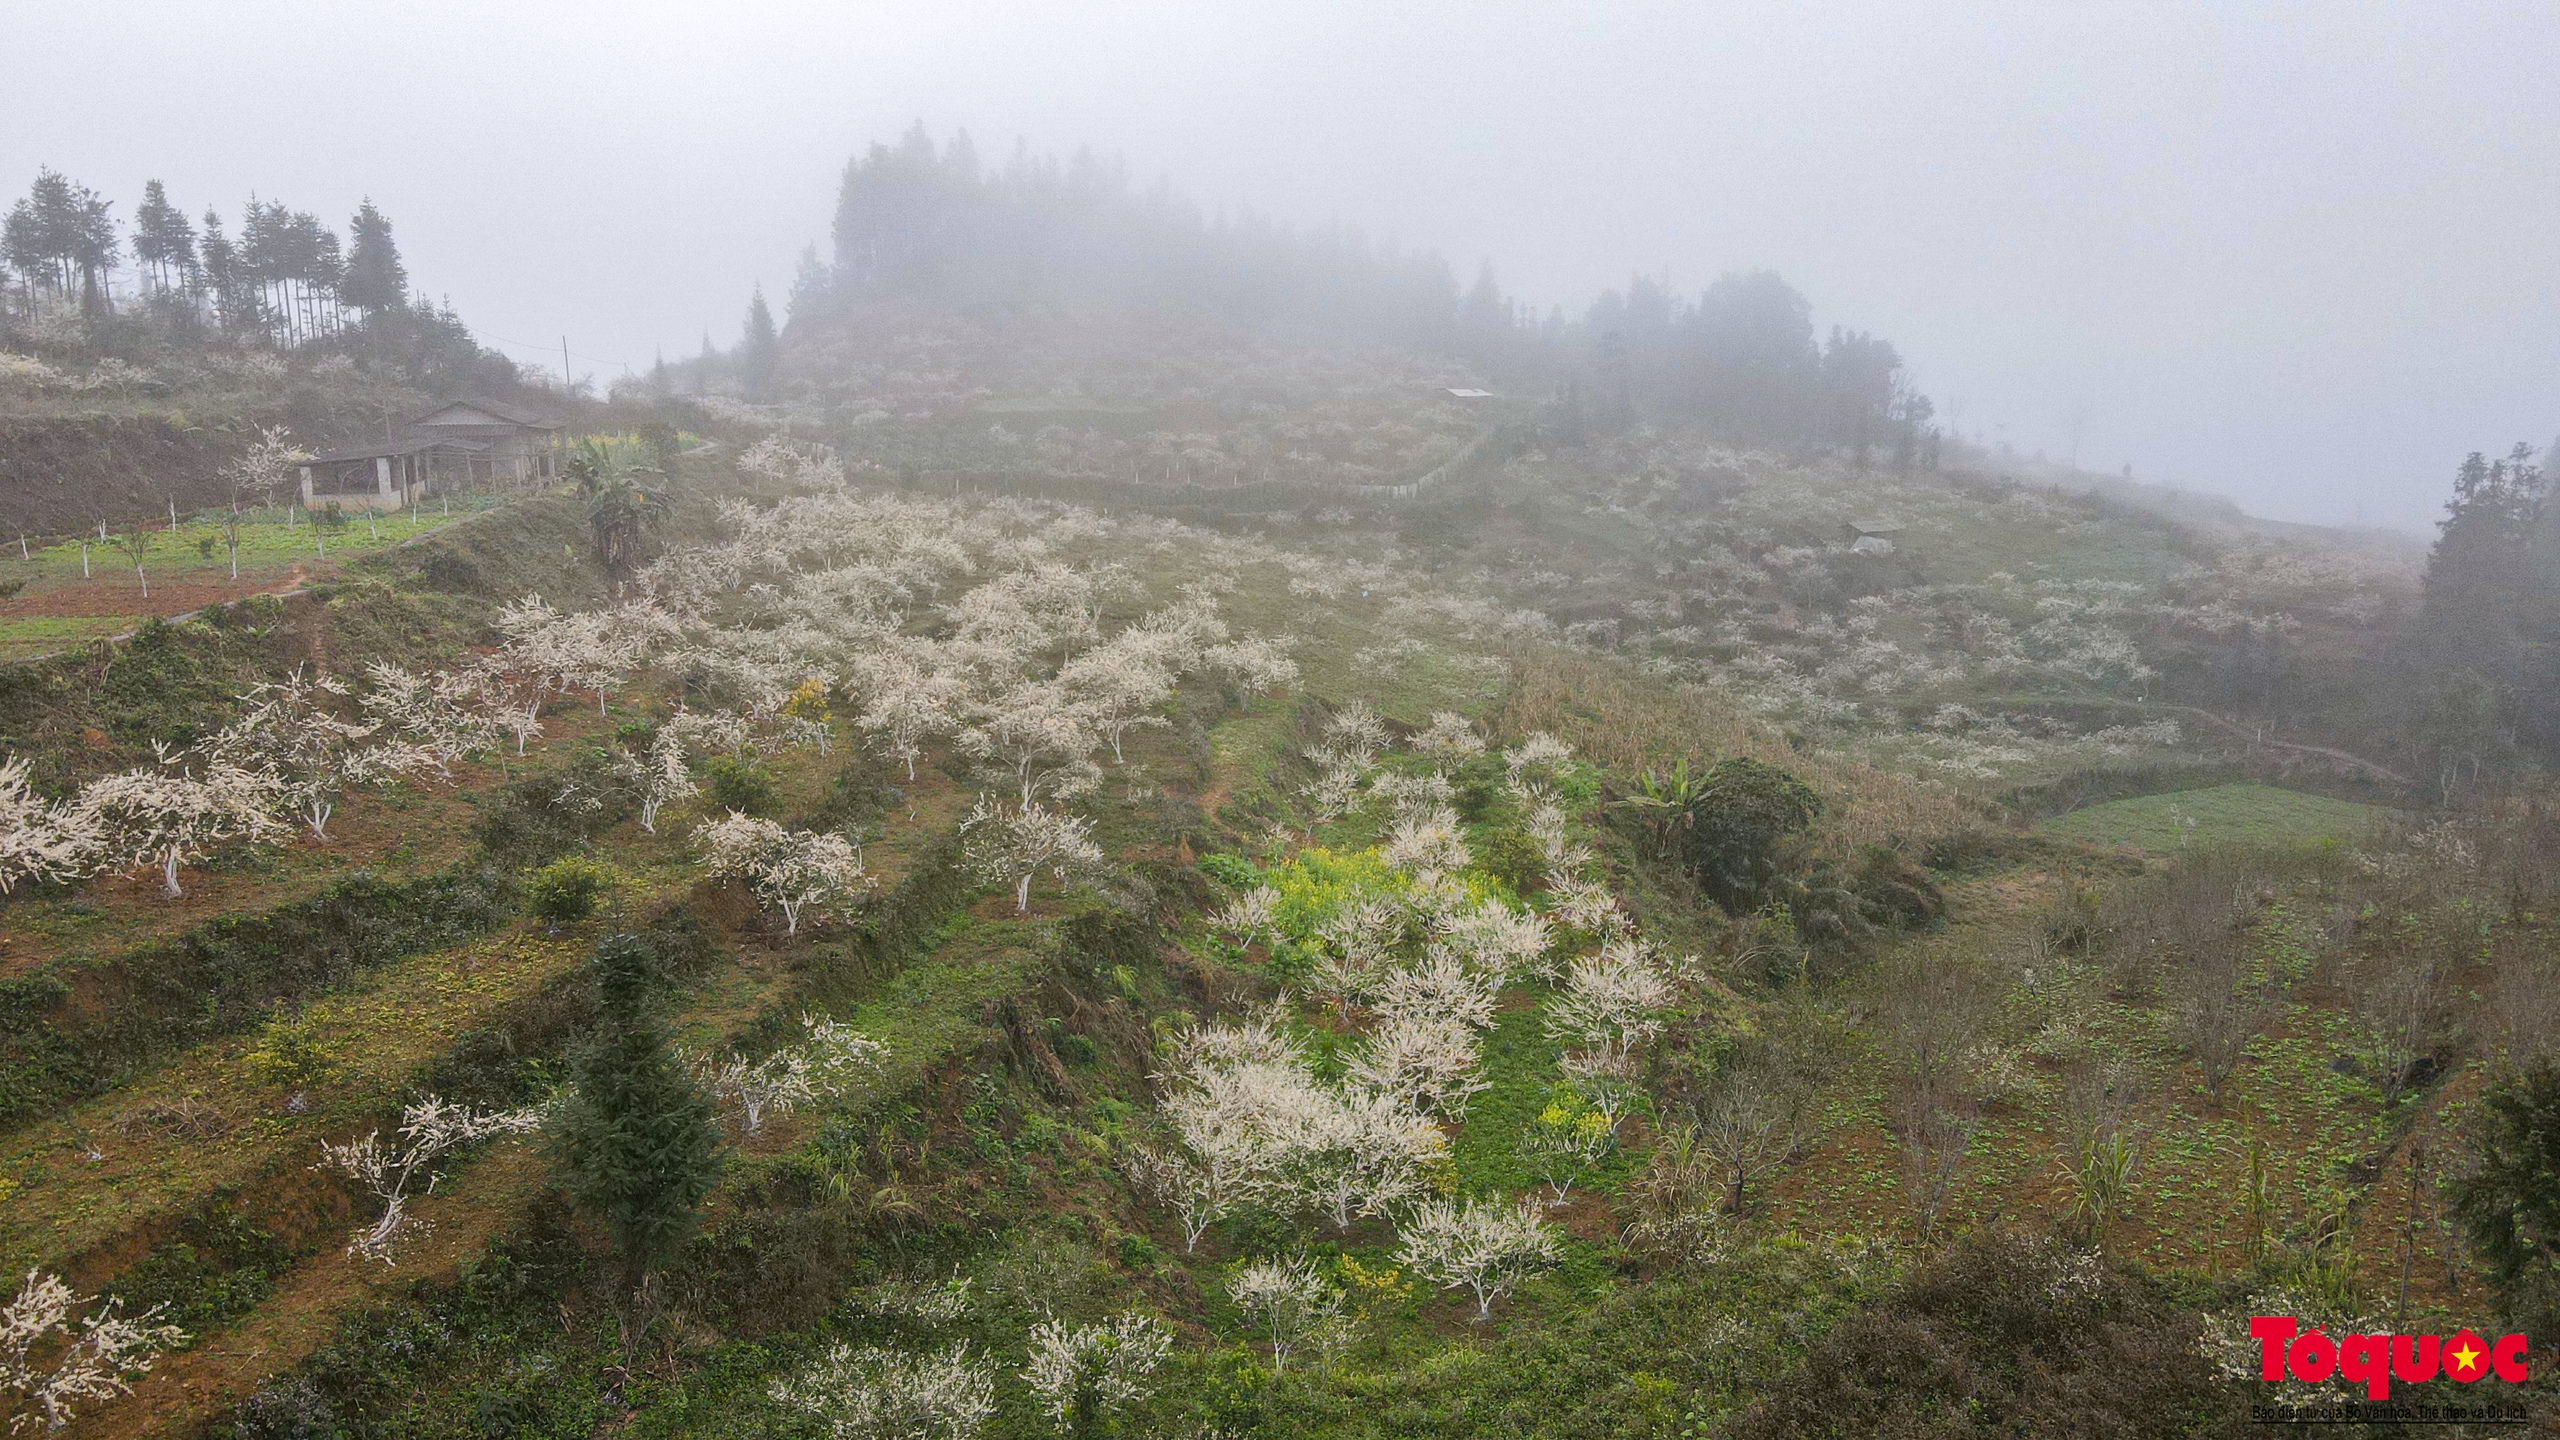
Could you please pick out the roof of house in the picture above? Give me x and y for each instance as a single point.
(490, 412)
(407, 445)
(1468, 394)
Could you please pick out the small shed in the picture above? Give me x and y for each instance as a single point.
(515, 442)
(388, 476)
(458, 443)
(1871, 537)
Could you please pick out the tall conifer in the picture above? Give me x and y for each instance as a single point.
(637, 1143)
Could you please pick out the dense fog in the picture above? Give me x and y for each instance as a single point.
(2299, 258)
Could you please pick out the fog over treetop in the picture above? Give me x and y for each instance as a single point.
(2288, 257)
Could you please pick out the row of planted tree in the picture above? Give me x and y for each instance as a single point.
(286, 275)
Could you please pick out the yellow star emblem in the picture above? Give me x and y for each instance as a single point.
(2466, 1359)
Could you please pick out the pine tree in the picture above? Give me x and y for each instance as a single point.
(163, 240)
(2480, 578)
(61, 238)
(637, 1139)
(236, 303)
(759, 350)
(811, 287)
(375, 278)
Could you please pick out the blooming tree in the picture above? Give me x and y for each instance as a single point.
(907, 700)
(1448, 738)
(1085, 1373)
(870, 1393)
(292, 735)
(441, 715)
(1039, 734)
(661, 777)
(1361, 1152)
(1482, 1246)
(1360, 942)
(1612, 1002)
(1257, 665)
(828, 1062)
(792, 870)
(1289, 1301)
(1496, 941)
(40, 839)
(429, 1130)
(1012, 845)
(1537, 754)
(1425, 1062)
(1590, 906)
(49, 1359)
(1427, 841)
(169, 818)
(1249, 915)
(260, 474)
(1441, 987)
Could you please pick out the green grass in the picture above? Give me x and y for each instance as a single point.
(2247, 815)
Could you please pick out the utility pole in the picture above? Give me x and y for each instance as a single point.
(565, 381)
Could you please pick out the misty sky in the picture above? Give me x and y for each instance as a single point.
(2301, 255)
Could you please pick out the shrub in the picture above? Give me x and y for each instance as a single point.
(2002, 1334)
(566, 890)
(1743, 815)
(741, 783)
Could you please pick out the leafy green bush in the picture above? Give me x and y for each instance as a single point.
(1233, 871)
(740, 782)
(566, 890)
(1740, 820)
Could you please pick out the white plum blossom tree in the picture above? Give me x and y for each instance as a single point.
(1483, 1246)
(1039, 734)
(1425, 1062)
(791, 870)
(1590, 906)
(50, 1356)
(169, 818)
(1363, 1153)
(1256, 665)
(1449, 738)
(829, 1061)
(1538, 755)
(1428, 841)
(429, 1130)
(1290, 1301)
(1086, 1374)
(1359, 945)
(906, 702)
(870, 1393)
(442, 715)
(660, 778)
(1612, 1002)
(1497, 941)
(309, 754)
(1441, 987)
(1248, 916)
(40, 839)
(1011, 845)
